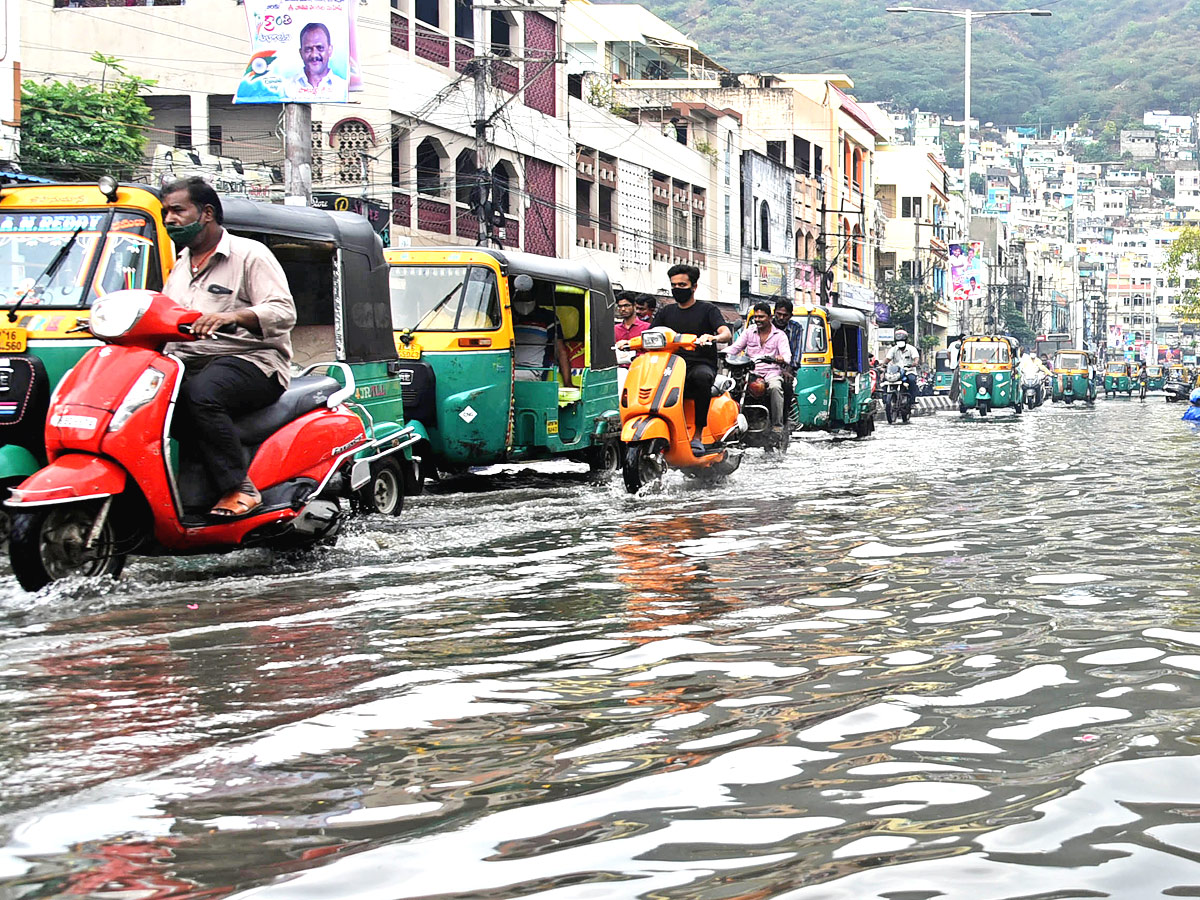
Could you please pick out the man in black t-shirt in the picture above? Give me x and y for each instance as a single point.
(701, 318)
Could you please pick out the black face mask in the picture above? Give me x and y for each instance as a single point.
(682, 295)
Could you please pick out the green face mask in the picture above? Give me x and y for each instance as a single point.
(183, 235)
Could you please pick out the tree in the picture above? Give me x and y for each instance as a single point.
(1184, 258)
(954, 156)
(978, 183)
(1016, 325)
(79, 132)
(898, 295)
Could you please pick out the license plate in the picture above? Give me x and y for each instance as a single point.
(12, 340)
(411, 352)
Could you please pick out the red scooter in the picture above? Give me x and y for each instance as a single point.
(111, 487)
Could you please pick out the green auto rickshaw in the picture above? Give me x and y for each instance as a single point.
(833, 381)
(943, 373)
(1118, 378)
(987, 374)
(1073, 377)
(338, 276)
(1156, 377)
(481, 403)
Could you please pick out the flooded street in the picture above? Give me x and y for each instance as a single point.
(955, 660)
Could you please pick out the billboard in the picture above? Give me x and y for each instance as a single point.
(301, 51)
(968, 273)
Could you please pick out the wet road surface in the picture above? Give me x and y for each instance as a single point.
(956, 660)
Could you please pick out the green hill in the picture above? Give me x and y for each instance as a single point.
(1104, 59)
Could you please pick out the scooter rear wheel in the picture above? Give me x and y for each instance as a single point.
(47, 543)
(642, 465)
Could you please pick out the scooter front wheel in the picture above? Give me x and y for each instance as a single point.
(642, 465)
(50, 542)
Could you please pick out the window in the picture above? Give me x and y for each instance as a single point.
(352, 141)
(464, 20)
(728, 156)
(429, 167)
(397, 154)
(215, 135)
(728, 230)
(764, 227)
(502, 34)
(818, 165)
(503, 176)
(427, 12)
(698, 233)
(466, 176)
(583, 202)
(802, 154)
(777, 150)
(575, 85)
(680, 221)
(910, 207)
(661, 223)
(183, 136)
(604, 210)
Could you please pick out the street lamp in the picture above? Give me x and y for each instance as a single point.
(969, 17)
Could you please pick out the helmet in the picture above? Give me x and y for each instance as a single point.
(901, 337)
(1194, 397)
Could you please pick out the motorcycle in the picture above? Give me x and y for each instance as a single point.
(1033, 391)
(658, 424)
(111, 486)
(925, 384)
(753, 396)
(897, 401)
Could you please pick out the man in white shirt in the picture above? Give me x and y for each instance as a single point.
(905, 356)
(317, 82)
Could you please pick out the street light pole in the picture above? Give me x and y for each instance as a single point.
(969, 16)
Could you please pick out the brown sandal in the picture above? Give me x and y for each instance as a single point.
(236, 503)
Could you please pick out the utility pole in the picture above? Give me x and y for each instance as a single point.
(482, 193)
(297, 154)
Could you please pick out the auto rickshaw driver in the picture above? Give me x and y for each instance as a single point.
(536, 338)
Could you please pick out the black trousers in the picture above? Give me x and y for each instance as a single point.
(210, 399)
(697, 387)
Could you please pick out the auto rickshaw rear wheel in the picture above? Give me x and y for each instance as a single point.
(384, 493)
(605, 458)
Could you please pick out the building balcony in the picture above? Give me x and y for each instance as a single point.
(399, 31)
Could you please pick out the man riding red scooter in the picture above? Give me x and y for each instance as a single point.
(111, 487)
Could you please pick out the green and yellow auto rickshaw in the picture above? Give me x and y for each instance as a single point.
(457, 339)
(61, 247)
(987, 374)
(338, 276)
(943, 373)
(1073, 377)
(1178, 384)
(1118, 378)
(1156, 377)
(833, 381)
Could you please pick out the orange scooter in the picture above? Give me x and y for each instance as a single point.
(657, 424)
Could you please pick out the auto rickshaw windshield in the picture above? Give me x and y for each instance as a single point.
(814, 335)
(1070, 361)
(31, 240)
(444, 298)
(989, 352)
(1117, 368)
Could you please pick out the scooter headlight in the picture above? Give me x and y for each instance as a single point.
(142, 392)
(653, 340)
(114, 314)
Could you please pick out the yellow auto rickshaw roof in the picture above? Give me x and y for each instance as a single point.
(65, 196)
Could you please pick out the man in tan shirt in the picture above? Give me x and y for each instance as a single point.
(232, 281)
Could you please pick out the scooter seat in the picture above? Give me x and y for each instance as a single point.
(304, 395)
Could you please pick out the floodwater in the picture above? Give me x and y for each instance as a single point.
(956, 660)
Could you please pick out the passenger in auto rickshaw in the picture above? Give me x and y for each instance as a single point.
(538, 340)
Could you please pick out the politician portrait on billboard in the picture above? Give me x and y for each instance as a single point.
(302, 51)
(968, 274)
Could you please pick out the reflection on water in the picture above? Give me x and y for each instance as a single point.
(956, 660)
